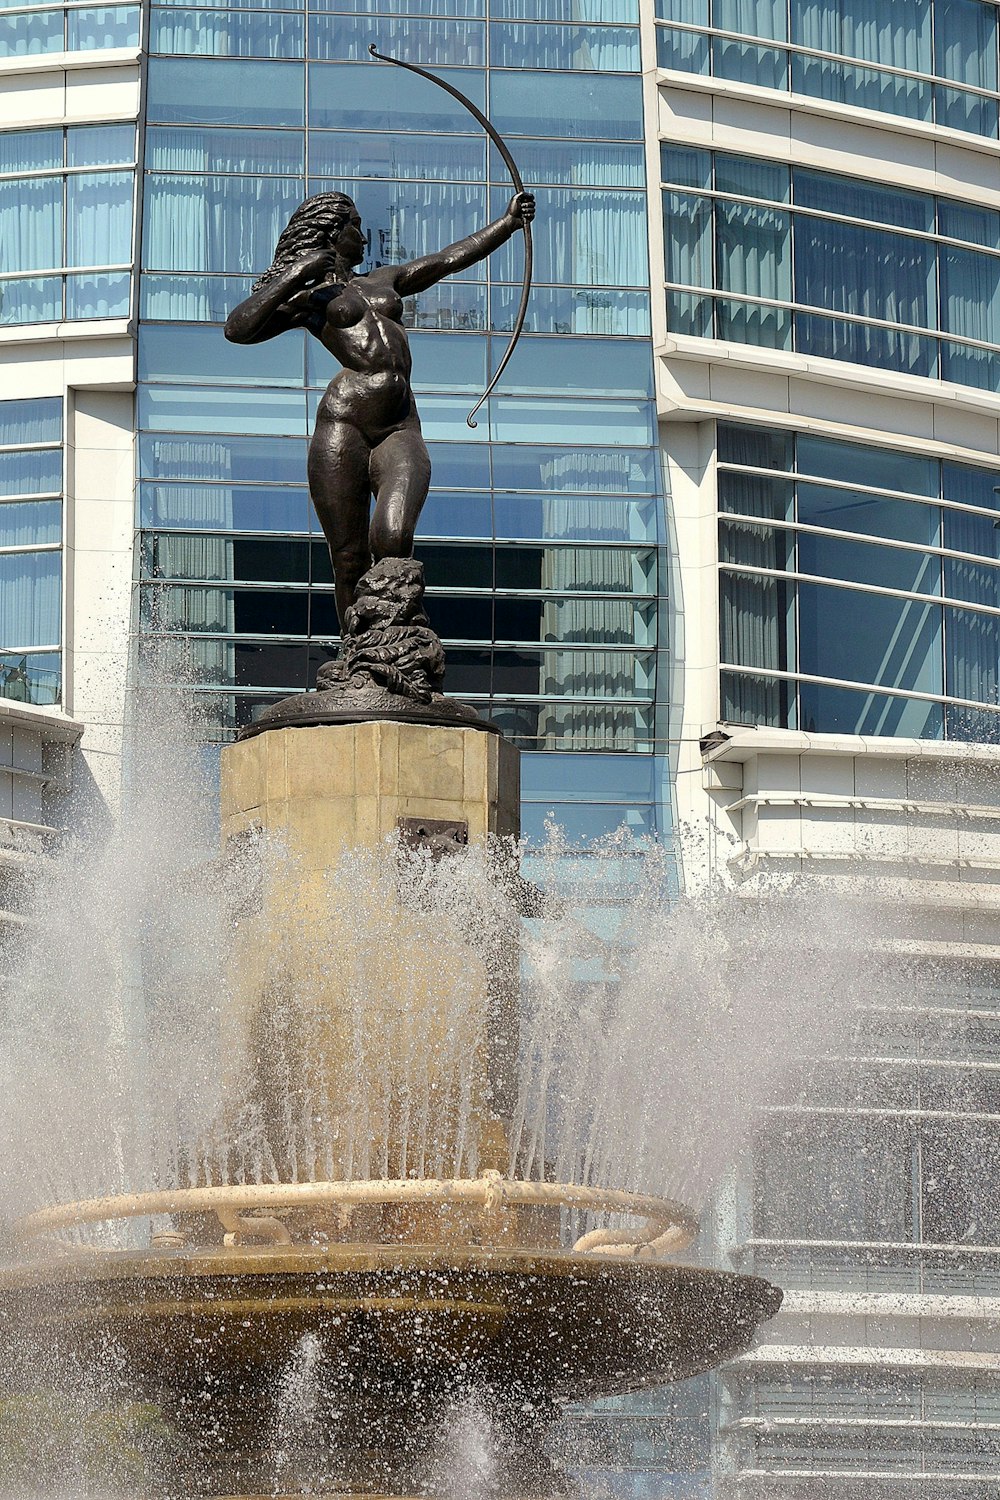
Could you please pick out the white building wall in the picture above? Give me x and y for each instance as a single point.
(91, 366)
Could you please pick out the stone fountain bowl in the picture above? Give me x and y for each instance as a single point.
(420, 1317)
(406, 1296)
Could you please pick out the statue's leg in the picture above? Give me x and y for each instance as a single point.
(341, 492)
(400, 476)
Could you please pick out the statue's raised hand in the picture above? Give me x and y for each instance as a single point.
(521, 209)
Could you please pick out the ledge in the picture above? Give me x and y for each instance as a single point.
(878, 122)
(69, 62)
(52, 722)
(744, 744)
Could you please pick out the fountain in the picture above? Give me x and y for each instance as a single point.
(314, 1323)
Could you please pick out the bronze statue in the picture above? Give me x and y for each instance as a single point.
(367, 439)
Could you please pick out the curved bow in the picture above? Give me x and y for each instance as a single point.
(515, 177)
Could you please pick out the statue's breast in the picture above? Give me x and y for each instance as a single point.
(384, 301)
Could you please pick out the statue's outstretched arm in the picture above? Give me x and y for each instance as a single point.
(418, 275)
(265, 314)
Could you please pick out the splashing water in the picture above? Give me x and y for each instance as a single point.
(651, 1028)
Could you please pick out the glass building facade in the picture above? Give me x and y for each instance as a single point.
(542, 537)
(740, 478)
(31, 535)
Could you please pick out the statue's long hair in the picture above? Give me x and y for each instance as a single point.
(315, 222)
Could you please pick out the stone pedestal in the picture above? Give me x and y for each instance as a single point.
(380, 1037)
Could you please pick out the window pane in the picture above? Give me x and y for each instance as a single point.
(200, 506)
(31, 33)
(854, 464)
(99, 218)
(845, 195)
(235, 459)
(430, 44)
(353, 96)
(94, 295)
(31, 224)
(220, 224)
(972, 642)
(833, 710)
(37, 473)
(869, 515)
(29, 599)
(575, 163)
(100, 145)
(590, 238)
(35, 300)
(102, 26)
(525, 103)
(394, 154)
(856, 562)
(30, 150)
(890, 642)
(31, 678)
(627, 471)
(579, 48)
(31, 421)
(220, 92)
(226, 33)
(30, 525)
(965, 42)
(189, 149)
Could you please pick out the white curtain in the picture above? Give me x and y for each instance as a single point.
(31, 224)
(30, 591)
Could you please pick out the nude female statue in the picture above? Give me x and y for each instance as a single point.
(367, 439)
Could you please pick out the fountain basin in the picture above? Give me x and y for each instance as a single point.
(425, 1317)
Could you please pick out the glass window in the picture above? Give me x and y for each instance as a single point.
(832, 194)
(172, 408)
(396, 154)
(30, 525)
(350, 96)
(868, 515)
(30, 421)
(100, 145)
(858, 562)
(218, 224)
(575, 163)
(838, 1179)
(195, 355)
(430, 44)
(190, 149)
(102, 26)
(98, 218)
(627, 471)
(577, 48)
(891, 643)
(31, 677)
(525, 103)
(758, 447)
(38, 299)
(31, 224)
(765, 18)
(30, 584)
(234, 459)
(897, 35)
(852, 463)
(225, 508)
(226, 33)
(596, 366)
(30, 150)
(965, 44)
(31, 33)
(591, 238)
(32, 473)
(219, 92)
(607, 11)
